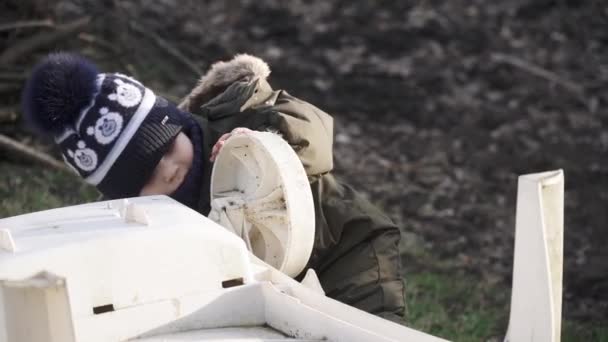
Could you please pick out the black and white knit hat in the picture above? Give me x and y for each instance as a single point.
(111, 129)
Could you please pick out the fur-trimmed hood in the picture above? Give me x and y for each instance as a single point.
(221, 75)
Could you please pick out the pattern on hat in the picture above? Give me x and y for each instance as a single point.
(126, 94)
(85, 158)
(111, 129)
(107, 127)
(119, 104)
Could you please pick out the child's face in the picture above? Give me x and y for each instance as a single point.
(171, 169)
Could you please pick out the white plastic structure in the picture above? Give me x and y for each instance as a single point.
(109, 271)
(151, 269)
(536, 298)
(260, 191)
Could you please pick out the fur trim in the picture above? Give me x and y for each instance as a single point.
(221, 75)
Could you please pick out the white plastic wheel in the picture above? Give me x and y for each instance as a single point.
(260, 191)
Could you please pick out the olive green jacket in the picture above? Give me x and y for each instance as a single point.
(356, 246)
(254, 105)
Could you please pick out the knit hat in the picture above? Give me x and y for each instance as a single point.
(110, 128)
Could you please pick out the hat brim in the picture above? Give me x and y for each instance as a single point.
(139, 159)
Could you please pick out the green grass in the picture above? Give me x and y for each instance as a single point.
(462, 308)
(440, 302)
(577, 332)
(28, 189)
(456, 307)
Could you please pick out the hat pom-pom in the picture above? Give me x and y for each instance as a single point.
(58, 89)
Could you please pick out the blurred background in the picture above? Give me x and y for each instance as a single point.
(439, 106)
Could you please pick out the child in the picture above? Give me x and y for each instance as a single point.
(127, 142)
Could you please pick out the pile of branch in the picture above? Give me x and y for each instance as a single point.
(11, 81)
(41, 40)
(45, 35)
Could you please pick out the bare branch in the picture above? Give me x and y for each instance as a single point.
(9, 87)
(27, 24)
(30, 154)
(163, 44)
(12, 76)
(539, 72)
(92, 39)
(40, 40)
(7, 115)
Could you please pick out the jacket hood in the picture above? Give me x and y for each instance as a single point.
(221, 75)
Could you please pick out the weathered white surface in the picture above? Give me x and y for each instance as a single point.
(536, 298)
(104, 258)
(311, 281)
(6, 240)
(151, 269)
(240, 334)
(157, 281)
(260, 191)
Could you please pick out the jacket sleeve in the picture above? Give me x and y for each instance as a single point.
(307, 129)
(255, 105)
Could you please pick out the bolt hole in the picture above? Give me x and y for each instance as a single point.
(103, 309)
(232, 282)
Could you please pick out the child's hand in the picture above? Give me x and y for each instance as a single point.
(222, 140)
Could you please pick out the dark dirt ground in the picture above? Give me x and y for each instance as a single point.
(440, 105)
